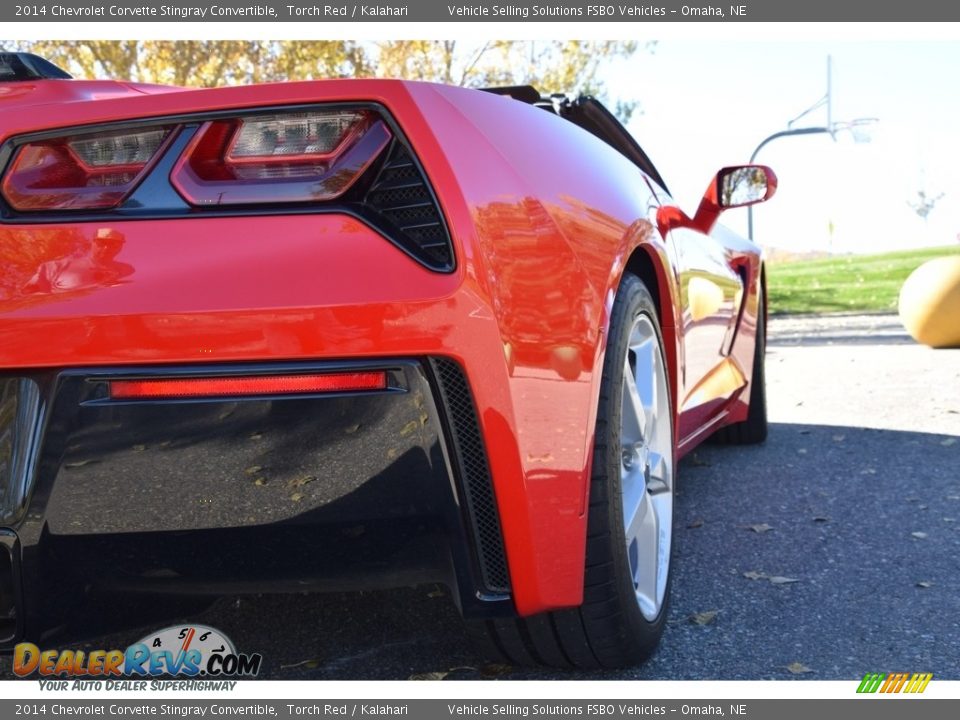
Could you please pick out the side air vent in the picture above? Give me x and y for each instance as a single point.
(402, 199)
(470, 457)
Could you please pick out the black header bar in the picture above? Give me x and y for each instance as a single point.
(419, 11)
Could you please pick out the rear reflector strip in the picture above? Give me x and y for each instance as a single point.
(246, 385)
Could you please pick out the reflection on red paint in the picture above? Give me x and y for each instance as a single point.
(38, 263)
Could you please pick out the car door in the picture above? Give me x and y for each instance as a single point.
(711, 290)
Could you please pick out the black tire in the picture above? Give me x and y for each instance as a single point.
(753, 430)
(608, 630)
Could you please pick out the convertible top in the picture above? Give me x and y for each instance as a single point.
(590, 114)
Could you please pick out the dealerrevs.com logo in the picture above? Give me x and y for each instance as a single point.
(180, 650)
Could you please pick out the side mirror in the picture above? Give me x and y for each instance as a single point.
(744, 185)
(733, 187)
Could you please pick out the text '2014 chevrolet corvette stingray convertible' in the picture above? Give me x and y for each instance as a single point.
(347, 334)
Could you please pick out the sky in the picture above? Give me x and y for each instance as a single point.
(706, 104)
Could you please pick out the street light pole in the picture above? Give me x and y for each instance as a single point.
(771, 138)
(830, 129)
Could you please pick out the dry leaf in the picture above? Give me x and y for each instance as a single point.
(799, 668)
(139, 448)
(428, 676)
(296, 497)
(495, 670)
(409, 428)
(948, 442)
(79, 463)
(761, 528)
(314, 663)
(781, 580)
(919, 535)
(260, 482)
(703, 618)
(754, 575)
(696, 523)
(924, 584)
(351, 429)
(253, 469)
(301, 481)
(255, 435)
(821, 519)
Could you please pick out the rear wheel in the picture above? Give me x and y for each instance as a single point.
(753, 430)
(630, 523)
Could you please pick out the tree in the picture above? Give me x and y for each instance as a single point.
(554, 66)
(924, 204)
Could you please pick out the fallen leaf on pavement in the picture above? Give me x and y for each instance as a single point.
(495, 669)
(428, 676)
(703, 618)
(781, 580)
(924, 584)
(754, 575)
(948, 442)
(799, 668)
(696, 523)
(761, 528)
(919, 535)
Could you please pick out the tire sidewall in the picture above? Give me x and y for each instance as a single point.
(632, 300)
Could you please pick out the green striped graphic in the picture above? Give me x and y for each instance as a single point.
(871, 682)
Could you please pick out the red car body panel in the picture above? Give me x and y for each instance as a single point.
(544, 219)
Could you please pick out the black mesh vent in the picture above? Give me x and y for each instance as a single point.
(401, 197)
(471, 458)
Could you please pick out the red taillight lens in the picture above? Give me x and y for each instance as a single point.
(83, 172)
(173, 388)
(279, 158)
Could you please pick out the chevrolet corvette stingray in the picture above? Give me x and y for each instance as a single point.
(353, 334)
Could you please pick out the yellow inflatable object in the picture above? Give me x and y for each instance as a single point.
(930, 303)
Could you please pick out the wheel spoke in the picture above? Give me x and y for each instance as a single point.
(642, 545)
(646, 474)
(634, 420)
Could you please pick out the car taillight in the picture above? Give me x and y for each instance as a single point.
(82, 172)
(299, 156)
(173, 388)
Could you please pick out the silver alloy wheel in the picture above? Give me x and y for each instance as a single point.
(646, 467)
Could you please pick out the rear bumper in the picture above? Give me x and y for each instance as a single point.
(261, 494)
(213, 292)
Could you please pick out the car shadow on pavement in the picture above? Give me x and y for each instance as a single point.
(826, 553)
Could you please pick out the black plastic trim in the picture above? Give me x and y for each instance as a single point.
(473, 471)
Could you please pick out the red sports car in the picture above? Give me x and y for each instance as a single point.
(353, 334)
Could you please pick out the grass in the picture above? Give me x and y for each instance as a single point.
(851, 283)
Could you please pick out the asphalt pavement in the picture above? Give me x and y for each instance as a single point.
(830, 551)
